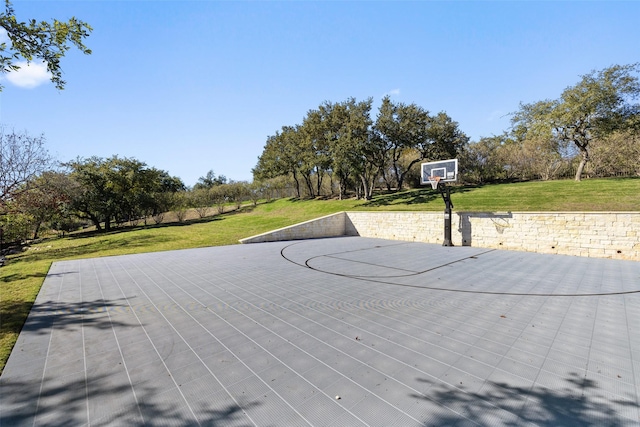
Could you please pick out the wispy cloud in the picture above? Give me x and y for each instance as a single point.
(30, 75)
(4, 38)
(392, 92)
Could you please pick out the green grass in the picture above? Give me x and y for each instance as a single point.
(24, 273)
(616, 194)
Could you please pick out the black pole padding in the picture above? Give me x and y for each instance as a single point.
(448, 207)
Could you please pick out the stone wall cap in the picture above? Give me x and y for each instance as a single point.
(505, 212)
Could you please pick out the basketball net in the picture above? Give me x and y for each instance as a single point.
(434, 181)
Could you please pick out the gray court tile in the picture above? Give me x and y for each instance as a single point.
(375, 411)
(249, 335)
(322, 376)
(321, 410)
(347, 419)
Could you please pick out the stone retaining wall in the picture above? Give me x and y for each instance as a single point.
(593, 234)
(327, 226)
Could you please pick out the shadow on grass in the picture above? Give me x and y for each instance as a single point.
(403, 198)
(188, 222)
(413, 197)
(20, 276)
(86, 249)
(128, 229)
(97, 246)
(580, 402)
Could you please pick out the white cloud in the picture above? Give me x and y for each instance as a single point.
(30, 75)
(392, 92)
(4, 38)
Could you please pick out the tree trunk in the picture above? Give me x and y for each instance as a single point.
(319, 177)
(365, 187)
(295, 178)
(94, 219)
(35, 233)
(583, 162)
(309, 183)
(386, 180)
(399, 177)
(404, 174)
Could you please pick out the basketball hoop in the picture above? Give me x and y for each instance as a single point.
(434, 181)
(434, 173)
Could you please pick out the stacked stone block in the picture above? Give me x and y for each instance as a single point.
(327, 226)
(592, 234)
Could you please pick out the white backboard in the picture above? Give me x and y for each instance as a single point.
(447, 170)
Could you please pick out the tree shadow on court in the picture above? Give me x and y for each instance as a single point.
(60, 315)
(580, 402)
(63, 402)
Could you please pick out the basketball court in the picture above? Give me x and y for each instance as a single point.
(345, 331)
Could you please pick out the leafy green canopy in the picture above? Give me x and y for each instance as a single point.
(341, 141)
(46, 41)
(597, 106)
(118, 189)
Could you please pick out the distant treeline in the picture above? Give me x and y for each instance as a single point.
(339, 150)
(591, 130)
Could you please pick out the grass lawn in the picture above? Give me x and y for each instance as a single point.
(24, 273)
(608, 195)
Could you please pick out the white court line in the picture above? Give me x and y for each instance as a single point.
(149, 338)
(213, 336)
(352, 357)
(158, 309)
(84, 349)
(124, 363)
(304, 351)
(46, 358)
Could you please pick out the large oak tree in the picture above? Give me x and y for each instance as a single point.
(118, 189)
(601, 103)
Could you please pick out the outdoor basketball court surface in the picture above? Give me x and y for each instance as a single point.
(331, 332)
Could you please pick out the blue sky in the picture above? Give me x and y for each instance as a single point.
(189, 86)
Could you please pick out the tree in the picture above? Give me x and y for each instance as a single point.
(274, 188)
(118, 189)
(329, 143)
(481, 161)
(339, 141)
(600, 104)
(46, 41)
(444, 139)
(399, 127)
(351, 146)
(210, 180)
(616, 155)
(22, 158)
(94, 198)
(410, 130)
(200, 200)
(44, 199)
(317, 132)
(180, 205)
(219, 196)
(282, 155)
(255, 191)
